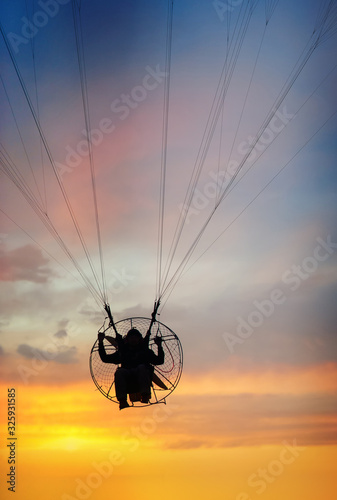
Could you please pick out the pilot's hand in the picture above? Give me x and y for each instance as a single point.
(158, 340)
(101, 335)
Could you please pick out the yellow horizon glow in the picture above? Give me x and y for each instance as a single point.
(242, 473)
(69, 433)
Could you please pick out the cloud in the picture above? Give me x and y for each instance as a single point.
(60, 334)
(63, 323)
(187, 444)
(61, 354)
(91, 314)
(23, 368)
(24, 264)
(27, 305)
(241, 419)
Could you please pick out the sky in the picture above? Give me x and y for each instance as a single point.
(255, 412)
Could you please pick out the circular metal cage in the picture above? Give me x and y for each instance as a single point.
(165, 377)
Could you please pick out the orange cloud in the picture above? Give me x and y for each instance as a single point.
(279, 379)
